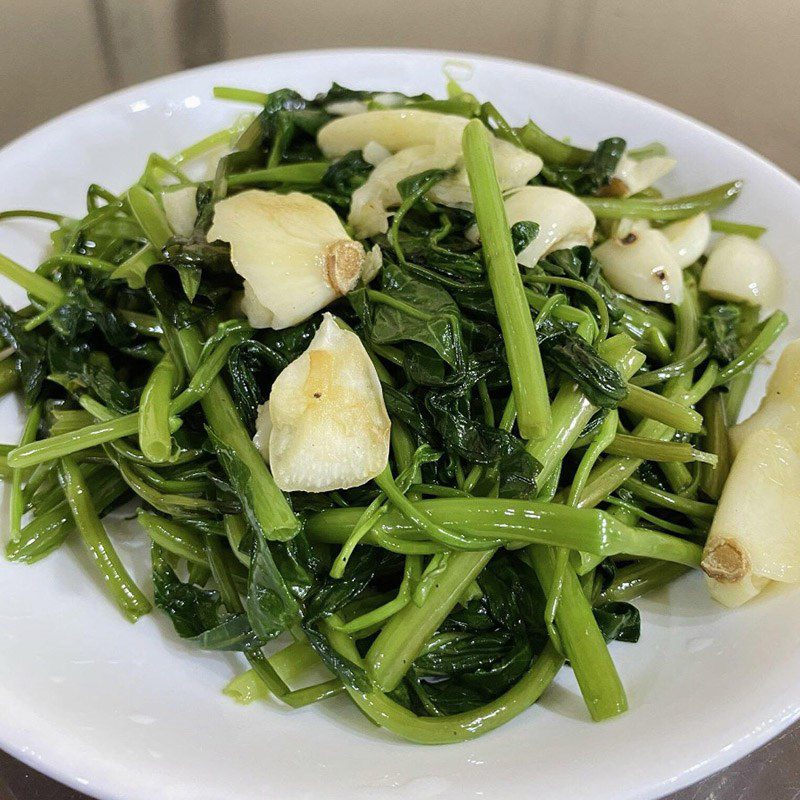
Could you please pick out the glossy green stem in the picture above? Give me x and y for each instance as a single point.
(119, 583)
(582, 640)
(155, 438)
(663, 209)
(651, 405)
(524, 359)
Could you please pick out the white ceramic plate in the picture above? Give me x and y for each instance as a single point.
(123, 711)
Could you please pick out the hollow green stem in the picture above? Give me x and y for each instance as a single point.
(639, 578)
(513, 521)
(174, 537)
(524, 360)
(240, 95)
(658, 497)
(716, 441)
(767, 333)
(404, 636)
(309, 172)
(663, 209)
(582, 640)
(390, 715)
(34, 284)
(16, 502)
(651, 405)
(676, 369)
(154, 434)
(149, 215)
(739, 228)
(657, 450)
(125, 592)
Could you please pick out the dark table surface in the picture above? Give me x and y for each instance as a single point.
(55, 55)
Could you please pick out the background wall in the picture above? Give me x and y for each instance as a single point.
(731, 63)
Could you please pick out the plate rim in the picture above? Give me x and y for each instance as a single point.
(67, 775)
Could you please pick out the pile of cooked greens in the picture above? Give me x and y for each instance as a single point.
(557, 445)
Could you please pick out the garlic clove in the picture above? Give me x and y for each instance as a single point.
(632, 176)
(564, 221)
(689, 238)
(741, 270)
(329, 426)
(514, 167)
(420, 140)
(643, 265)
(370, 203)
(180, 209)
(753, 537)
(779, 410)
(394, 129)
(291, 249)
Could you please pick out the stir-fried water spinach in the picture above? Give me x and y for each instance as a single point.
(552, 455)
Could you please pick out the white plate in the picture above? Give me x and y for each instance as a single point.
(123, 711)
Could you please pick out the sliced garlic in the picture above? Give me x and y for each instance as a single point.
(420, 140)
(370, 203)
(180, 209)
(291, 249)
(643, 265)
(329, 426)
(632, 176)
(779, 410)
(753, 538)
(513, 166)
(564, 221)
(394, 129)
(689, 238)
(742, 270)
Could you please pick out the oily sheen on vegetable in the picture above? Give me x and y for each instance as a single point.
(405, 395)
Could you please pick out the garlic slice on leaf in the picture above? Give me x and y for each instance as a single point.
(689, 238)
(633, 176)
(742, 270)
(564, 221)
(329, 426)
(779, 410)
(753, 538)
(291, 249)
(642, 264)
(180, 208)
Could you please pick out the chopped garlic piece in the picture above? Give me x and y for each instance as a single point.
(632, 176)
(564, 221)
(754, 538)
(779, 410)
(374, 153)
(291, 249)
(329, 426)
(180, 209)
(742, 270)
(643, 264)
(689, 238)
(346, 108)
